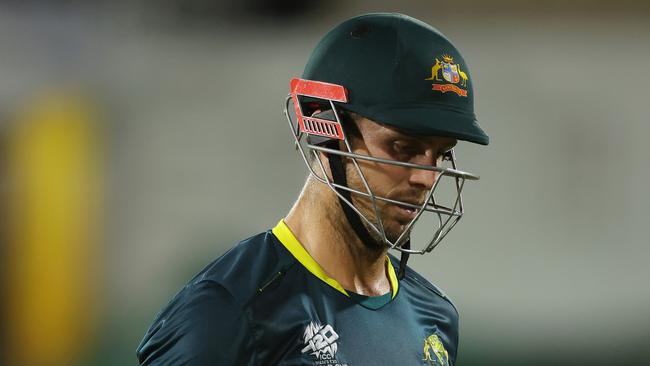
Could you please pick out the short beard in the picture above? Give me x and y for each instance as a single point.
(364, 206)
(376, 241)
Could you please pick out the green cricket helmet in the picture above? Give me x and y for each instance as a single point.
(397, 71)
(401, 72)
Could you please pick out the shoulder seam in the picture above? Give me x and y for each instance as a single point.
(436, 290)
(412, 274)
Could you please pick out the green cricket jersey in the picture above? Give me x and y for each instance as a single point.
(267, 302)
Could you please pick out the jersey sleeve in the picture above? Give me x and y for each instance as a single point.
(455, 331)
(202, 325)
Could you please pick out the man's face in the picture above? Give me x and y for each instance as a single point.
(391, 181)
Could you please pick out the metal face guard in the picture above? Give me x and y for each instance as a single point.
(446, 215)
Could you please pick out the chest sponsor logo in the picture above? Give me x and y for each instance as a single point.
(435, 352)
(320, 342)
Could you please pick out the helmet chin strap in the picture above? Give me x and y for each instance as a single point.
(339, 177)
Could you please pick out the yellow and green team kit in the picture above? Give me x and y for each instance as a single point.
(267, 302)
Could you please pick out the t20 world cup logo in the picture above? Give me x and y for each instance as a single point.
(320, 341)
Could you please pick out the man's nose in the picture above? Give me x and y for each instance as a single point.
(424, 178)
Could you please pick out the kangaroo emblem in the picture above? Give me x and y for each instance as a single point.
(434, 71)
(433, 343)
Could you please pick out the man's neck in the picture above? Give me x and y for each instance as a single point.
(318, 222)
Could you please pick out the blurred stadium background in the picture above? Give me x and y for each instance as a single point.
(141, 139)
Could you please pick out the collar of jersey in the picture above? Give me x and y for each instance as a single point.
(286, 237)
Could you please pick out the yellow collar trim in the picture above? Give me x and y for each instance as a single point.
(286, 237)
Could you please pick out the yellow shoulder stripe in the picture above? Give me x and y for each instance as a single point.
(286, 237)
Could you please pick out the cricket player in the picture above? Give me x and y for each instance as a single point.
(382, 102)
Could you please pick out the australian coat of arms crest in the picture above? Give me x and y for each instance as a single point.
(447, 76)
